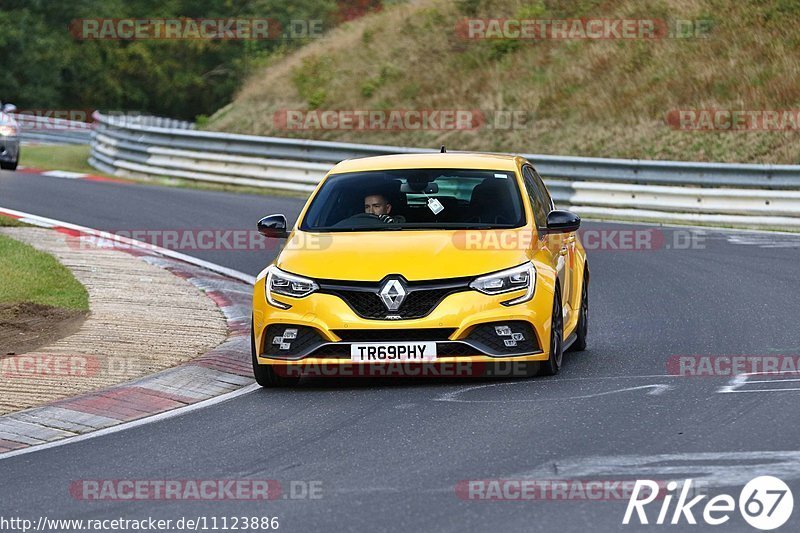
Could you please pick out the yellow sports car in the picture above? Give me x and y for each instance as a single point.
(410, 262)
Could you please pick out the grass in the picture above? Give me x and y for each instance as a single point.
(28, 275)
(607, 98)
(72, 158)
(9, 222)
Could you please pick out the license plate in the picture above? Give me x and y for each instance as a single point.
(393, 351)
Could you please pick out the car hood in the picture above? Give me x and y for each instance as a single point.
(416, 255)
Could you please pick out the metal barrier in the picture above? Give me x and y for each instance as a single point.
(737, 195)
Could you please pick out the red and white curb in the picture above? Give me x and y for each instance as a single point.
(216, 376)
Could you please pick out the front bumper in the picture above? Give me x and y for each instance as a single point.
(9, 149)
(461, 325)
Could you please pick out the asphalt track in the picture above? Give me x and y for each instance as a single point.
(389, 454)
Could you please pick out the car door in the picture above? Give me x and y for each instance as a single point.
(568, 241)
(556, 243)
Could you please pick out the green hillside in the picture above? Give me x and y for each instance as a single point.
(607, 98)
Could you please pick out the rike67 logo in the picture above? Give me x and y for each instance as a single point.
(765, 503)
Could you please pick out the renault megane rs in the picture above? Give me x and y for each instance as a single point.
(418, 260)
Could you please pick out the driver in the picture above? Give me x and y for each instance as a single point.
(377, 204)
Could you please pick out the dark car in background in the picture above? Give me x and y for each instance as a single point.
(9, 138)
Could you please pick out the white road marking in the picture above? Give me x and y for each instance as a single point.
(135, 423)
(657, 390)
(741, 380)
(64, 174)
(735, 382)
(593, 378)
(712, 469)
(706, 470)
(453, 396)
(764, 390)
(764, 241)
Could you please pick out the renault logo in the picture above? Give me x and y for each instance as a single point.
(392, 294)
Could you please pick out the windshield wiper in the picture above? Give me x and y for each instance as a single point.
(358, 228)
(446, 227)
(413, 226)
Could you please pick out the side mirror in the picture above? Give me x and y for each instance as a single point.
(9, 108)
(273, 227)
(562, 222)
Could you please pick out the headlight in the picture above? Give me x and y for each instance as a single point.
(513, 279)
(280, 282)
(8, 131)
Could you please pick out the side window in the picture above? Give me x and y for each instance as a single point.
(540, 205)
(547, 199)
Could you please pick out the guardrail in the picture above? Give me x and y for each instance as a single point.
(132, 119)
(737, 195)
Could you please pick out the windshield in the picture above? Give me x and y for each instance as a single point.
(416, 199)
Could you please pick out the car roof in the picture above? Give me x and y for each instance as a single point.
(470, 160)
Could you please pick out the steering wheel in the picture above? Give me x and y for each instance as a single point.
(361, 220)
(369, 220)
(363, 216)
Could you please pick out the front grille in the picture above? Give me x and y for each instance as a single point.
(275, 344)
(417, 304)
(421, 298)
(392, 335)
(340, 350)
(486, 335)
(455, 349)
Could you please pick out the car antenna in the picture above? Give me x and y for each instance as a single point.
(443, 150)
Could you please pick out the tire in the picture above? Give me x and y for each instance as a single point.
(553, 363)
(9, 166)
(265, 374)
(583, 320)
